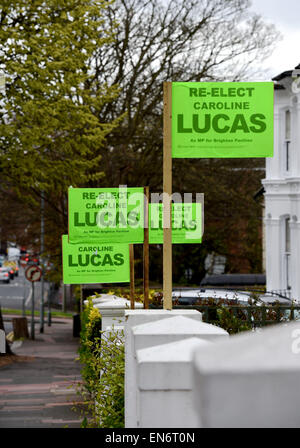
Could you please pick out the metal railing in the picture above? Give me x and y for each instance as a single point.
(254, 315)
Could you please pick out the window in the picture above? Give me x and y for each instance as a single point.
(287, 138)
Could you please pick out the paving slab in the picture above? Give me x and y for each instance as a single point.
(39, 388)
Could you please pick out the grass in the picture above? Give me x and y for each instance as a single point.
(36, 313)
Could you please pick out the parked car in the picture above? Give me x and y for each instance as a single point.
(4, 274)
(277, 307)
(190, 297)
(233, 280)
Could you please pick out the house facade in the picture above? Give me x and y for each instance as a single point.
(282, 190)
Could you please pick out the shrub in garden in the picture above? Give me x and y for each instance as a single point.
(102, 357)
(235, 318)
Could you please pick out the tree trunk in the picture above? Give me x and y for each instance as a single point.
(20, 327)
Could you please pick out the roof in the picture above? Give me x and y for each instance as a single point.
(282, 75)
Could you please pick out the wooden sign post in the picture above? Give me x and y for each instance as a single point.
(132, 289)
(81, 300)
(167, 194)
(146, 248)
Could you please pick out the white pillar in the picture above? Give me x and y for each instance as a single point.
(113, 311)
(133, 318)
(166, 331)
(174, 329)
(250, 380)
(101, 298)
(297, 136)
(165, 384)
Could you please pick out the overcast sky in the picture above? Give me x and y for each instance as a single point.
(285, 15)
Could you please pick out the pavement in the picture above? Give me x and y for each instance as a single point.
(38, 386)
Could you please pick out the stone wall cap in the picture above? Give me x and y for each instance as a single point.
(178, 325)
(178, 351)
(102, 298)
(118, 302)
(168, 366)
(162, 312)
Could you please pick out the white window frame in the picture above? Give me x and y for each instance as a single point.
(286, 252)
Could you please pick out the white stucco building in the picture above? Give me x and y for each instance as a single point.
(282, 189)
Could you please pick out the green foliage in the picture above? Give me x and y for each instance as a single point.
(63, 61)
(224, 313)
(235, 318)
(50, 128)
(231, 323)
(102, 356)
(185, 40)
(90, 338)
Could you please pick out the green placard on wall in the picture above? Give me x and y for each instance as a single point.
(222, 119)
(186, 223)
(110, 215)
(95, 263)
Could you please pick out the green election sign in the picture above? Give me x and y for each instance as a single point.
(97, 263)
(109, 215)
(186, 223)
(222, 119)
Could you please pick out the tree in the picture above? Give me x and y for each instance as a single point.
(192, 40)
(173, 40)
(63, 75)
(50, 125)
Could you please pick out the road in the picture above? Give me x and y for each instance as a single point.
(12, 295)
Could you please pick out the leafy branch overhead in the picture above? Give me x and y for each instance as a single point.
(51, 131)
(83, 107)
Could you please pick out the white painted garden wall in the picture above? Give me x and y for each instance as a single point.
(158, 366)
(132, 319)
(250, 380)
(204, 378)
(112, 309)
(2, 342)
(183, 373)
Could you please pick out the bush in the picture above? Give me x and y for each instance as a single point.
(125, 293)
(102, 357)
